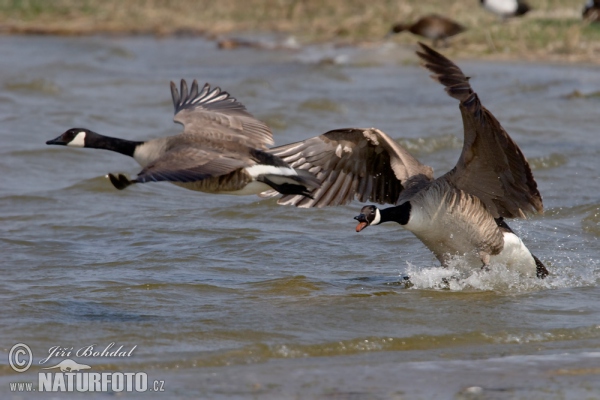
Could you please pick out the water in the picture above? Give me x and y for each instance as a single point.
(237, 297)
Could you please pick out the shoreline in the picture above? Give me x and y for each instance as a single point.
(554, 34)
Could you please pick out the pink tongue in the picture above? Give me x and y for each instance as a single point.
(361, 226)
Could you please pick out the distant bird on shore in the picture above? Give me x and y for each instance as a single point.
(506, 8)
(591, 11)
(432, 26)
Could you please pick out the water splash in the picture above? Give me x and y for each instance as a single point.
(563, 274)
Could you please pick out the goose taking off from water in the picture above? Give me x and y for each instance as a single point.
(460, 213)
(433, 26)
(221, 150)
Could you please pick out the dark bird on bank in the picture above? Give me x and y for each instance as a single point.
(433, 27)
(591, 11)
(222, 149)
(460, 214)
(506, 8)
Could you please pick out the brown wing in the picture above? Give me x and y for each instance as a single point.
(491, 165)
(365, 164)
(188, 164)
(217, 109)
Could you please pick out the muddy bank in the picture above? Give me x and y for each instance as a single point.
(553, 31)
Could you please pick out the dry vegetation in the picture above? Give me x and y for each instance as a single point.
(552, 32)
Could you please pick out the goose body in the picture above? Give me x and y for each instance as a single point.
(459, 214)
(222, 149)
(506, 8)
(434, 27)
(455, 225)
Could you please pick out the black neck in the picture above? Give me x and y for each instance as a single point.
(122, 146)
(399, 214)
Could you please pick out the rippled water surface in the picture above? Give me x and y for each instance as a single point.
(235, 297)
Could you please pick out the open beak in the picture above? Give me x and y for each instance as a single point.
(362, 222)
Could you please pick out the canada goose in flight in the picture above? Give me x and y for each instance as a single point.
(506, 8)
(433, 26)
(591, 11)
(460, 213)
(221, 150)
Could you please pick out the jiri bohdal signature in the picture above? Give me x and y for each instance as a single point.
(93, 350)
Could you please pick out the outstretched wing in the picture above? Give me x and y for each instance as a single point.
(491, 165)
(365, 164)
(216, 115)
(188, 164)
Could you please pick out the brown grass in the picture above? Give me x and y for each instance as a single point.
(553, 31)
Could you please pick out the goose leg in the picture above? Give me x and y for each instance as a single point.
(485, 259)
(120, 181)
(541, 271)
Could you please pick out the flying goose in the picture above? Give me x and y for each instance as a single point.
(433, 26)
(221, 150)
(506, 8)
(460, 213)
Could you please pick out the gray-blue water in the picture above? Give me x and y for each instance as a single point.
(237, 297)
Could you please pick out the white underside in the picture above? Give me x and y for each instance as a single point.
(514, 257)
(443, 240)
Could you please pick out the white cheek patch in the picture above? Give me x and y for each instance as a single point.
(377, 218)
(257, 170)
(78, 140)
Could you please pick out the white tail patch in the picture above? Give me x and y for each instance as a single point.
(258, 169)
(515, 255)
(78, 140)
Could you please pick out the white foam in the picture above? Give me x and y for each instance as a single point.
(459, 277)
(497, 278)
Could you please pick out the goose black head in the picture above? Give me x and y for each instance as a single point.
(369, 215)
(74, 137)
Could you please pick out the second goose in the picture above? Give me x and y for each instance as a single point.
(461, 213)
(221, 150)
